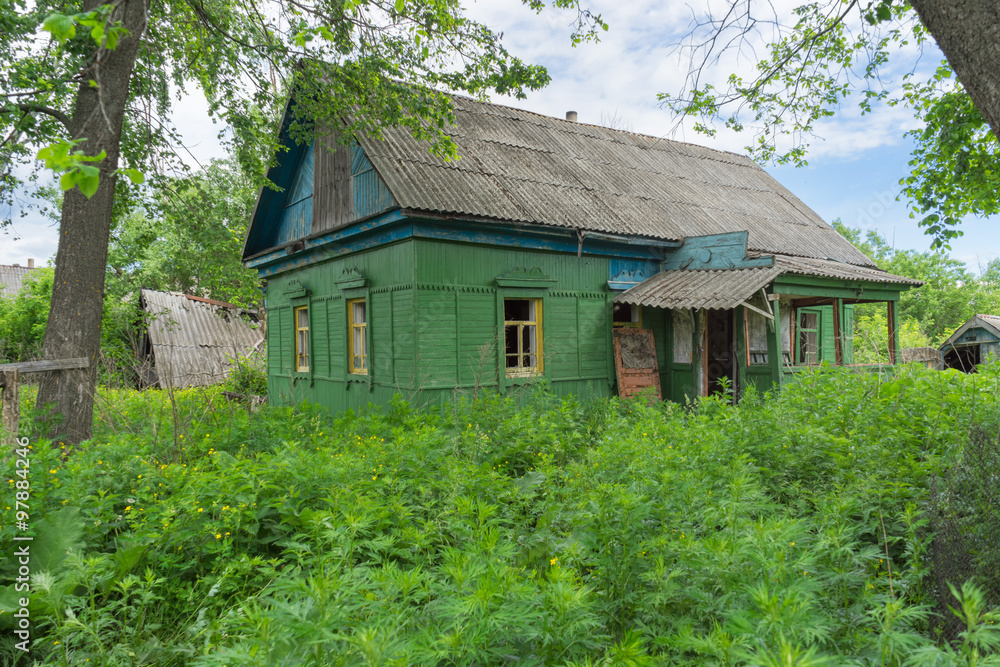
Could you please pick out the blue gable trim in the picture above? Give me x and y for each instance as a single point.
(396, 226)
(270, 206)
(297, 215)
(371, 194)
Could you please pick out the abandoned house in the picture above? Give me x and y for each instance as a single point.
(973, 343)
(600, 260)
(191, 341)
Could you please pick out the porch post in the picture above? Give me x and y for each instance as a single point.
(774, 345)
(893, 333)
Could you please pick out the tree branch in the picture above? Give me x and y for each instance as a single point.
(28, 107)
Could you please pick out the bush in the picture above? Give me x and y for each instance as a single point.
(248, 374)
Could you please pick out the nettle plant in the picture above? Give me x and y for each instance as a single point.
(789, 530)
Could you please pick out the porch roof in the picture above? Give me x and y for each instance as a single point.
(728, 288)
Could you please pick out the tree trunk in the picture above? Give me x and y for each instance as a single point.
(74, 325)
(968, 31)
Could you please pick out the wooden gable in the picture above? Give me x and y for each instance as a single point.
(323, 186)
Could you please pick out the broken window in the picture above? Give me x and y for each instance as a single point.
(302, 339)
(626, 315)
(358, 336)
(757, 338)
(809, 330)
(683, 322)
(522, 321)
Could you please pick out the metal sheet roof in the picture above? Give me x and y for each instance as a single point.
(11, 278)
(725, 289)
(195, 339)
(523, 167)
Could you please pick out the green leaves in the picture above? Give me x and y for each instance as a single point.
(61, 27)
(73, 165)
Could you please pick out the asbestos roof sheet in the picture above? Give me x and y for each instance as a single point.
(830, 269)
(726, 289)
(523, 167)
(990, 323)
(194, 339)
(699, 289)
(11, 277)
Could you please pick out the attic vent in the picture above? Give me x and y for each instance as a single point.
(571, 115)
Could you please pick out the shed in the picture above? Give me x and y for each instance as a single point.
(973, 343)
(393, 271)
(11, 277)
(191, 341)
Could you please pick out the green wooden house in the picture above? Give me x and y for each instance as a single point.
(392, 271)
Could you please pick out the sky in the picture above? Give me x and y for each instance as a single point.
(855, 162)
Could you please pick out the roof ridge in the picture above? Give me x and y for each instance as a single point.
(571, 123)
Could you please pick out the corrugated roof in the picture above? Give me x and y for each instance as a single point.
(725, 289)
(519, 166)
(829, 269)
(194, 339)
(11, 278)
(989, 322)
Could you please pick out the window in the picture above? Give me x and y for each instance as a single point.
(522, 324)
(756, 338)
(683, 322)
(302, 339)
(626, 315)
(357, 316)
(809, 337)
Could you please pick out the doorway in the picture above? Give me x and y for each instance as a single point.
(720, 352)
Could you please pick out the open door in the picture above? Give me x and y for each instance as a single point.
(635, 362)
(720, 351)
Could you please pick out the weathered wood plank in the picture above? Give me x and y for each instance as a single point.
(45, 365)
(10, 413)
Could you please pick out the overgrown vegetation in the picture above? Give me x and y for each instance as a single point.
(790, 530)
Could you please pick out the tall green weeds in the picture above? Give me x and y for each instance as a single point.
(789, 530)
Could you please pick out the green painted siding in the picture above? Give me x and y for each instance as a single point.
(435, 322)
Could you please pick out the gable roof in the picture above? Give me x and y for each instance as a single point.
(11, 278)
(195, 339)
(989, 322)
(524, 167)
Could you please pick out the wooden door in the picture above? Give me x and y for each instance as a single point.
(635, 362)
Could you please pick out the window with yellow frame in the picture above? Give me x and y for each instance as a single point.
(522, 323)
(302, 339)
(626, 315)
(357, 318)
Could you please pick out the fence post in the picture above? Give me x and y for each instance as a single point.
(9, 409)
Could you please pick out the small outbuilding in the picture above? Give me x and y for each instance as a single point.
(191, 341)
(973, 343)
(12, 276)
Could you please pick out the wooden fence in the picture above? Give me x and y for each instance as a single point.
(10, 377)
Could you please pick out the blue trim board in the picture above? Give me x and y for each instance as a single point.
(395, 226)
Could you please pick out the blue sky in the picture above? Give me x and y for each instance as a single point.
(854, 166)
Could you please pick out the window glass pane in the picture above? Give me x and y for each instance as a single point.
(517, 310)
(358, 316)
(809, 347)
(303, 314)
(683, 322)
(757, 337)
(808, 320)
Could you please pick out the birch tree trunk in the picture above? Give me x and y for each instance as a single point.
(74, 324)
